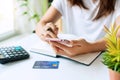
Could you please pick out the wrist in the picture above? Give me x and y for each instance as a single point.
(97, 46)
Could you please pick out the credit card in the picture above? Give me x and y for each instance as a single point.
(46, 65)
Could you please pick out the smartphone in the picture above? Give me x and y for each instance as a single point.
(62, 41)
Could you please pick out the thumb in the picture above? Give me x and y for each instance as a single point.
(77, 42)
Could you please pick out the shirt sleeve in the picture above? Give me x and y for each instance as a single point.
(58, 5)
(118, 13)
(117, 8)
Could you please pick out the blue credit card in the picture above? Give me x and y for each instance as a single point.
(46, 65)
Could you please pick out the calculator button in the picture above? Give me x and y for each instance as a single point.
(23, 51)
(21, 54)
(7, 56)
(16, 54)
(11, 55)
(9, 52)
(1, 56)
(3, 51)
(17, 48)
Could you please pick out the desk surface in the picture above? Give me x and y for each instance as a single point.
(68, 70)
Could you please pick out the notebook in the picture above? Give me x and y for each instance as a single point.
(44, 48)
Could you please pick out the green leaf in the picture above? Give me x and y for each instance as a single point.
(35, 16)
(111, 57)
(24, 4)
(116, 66)
(24, 13)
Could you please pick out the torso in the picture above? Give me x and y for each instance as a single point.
(80, 22)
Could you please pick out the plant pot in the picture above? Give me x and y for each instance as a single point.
(114, 75)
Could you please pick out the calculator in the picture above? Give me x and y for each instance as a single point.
(12, 53)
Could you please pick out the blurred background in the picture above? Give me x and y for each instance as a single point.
(21, 16)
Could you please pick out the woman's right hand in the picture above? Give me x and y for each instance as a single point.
(48, 30)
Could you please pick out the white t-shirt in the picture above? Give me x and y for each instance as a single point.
(80, 22)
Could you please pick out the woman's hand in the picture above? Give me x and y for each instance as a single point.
(80, 46)
(48, 30)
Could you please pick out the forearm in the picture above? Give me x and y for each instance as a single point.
(38, 27)
(99, 45)
(51, 16)
(46, 29)
(117, 23)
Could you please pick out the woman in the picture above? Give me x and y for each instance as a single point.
(83, 18)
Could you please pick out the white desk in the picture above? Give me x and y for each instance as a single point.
(68, 70)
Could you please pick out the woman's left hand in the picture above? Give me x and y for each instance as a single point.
(80, 46)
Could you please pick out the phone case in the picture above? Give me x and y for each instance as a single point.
(62, 41)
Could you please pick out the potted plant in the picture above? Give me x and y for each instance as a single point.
(111, 57)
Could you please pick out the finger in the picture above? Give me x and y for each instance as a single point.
(47, 36)
(53, 33)
(62, 52)
(50, 34)
(62, 49)
(59, 45)
(51, 27)
(50, 30)
(57, 50)
(56, 31)
(41, 37)
(77, 42)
